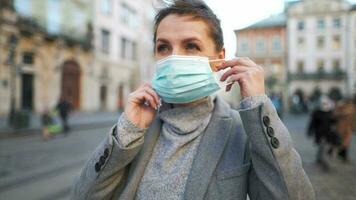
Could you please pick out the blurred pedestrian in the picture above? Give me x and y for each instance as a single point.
(64, 108)
(322, 126)
(278, 104)
(50, 124)
(344, 112)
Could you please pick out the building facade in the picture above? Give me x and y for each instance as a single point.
(93, 53)
(352, 50)
(45, 55)
(265, 43)
(318, 48)
(123, 48)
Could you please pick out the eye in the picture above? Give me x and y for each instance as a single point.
(192, 46)
(162, 48)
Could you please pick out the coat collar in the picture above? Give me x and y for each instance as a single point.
(138, 165)
(209, 152)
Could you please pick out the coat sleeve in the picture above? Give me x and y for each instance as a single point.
(107, 168)
(277, 171)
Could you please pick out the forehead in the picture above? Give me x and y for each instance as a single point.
(182, 26)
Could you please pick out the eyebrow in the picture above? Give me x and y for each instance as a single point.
(162, 40)
(184, 41)
(192, 39)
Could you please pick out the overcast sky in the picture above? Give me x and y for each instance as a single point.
(236, 14)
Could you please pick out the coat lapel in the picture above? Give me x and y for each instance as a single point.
(209, 152)
(139, 164)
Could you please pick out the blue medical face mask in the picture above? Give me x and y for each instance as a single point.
(184, 79)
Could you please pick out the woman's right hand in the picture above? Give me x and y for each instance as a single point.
(142, 106)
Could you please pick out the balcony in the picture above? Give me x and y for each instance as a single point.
(30, 26)
(337, 76)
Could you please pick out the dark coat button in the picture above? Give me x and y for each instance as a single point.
(97, 167)
(266, 121)
(270, 131)
(102, 160)
(274, 142)
(106, 153)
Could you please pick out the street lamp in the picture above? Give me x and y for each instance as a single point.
(12, 42)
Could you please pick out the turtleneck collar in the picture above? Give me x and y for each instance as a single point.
(187, 119)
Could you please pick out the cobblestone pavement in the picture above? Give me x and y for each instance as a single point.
(340, 182)
(45, 170)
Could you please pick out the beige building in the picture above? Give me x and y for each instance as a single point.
(94, 53)
(123, 49)
(44, 54)
(352, 51)
(265, 43)
(318, 52)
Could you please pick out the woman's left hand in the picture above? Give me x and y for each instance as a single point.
(247, 73)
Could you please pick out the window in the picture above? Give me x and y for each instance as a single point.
(128, 49)
(320, 24)
(336, 66)
(244, 46)
(105, 41)
(123, 47)
(301, 25)
(276, 44)
(105, 7)
(336, 63)
(321, 67)
(301, 42)
(337, 23)
(260, 45)
(128, 16)
(23, 7)
(53, 16)
(300, 66)
(336, 42)
(320, 42)
(28, 58)
(134, 51)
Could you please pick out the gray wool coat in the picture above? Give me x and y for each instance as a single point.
(246, 152)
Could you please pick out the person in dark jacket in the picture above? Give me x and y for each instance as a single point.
(323, 127)
(64, 108)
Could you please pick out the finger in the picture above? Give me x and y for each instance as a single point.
(141, 97)
(148, 98)
(233, 78)
(237, 61)
(152, 93)
(234, 70)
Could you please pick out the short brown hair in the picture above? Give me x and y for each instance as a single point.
(199, 10)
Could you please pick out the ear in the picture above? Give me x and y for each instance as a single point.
(222, 53)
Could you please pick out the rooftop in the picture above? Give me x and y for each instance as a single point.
(272, 21)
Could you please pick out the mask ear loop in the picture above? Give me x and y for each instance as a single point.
(214, 64)
(227, 84)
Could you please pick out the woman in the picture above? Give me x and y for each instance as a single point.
(344, 112)
(194, 146)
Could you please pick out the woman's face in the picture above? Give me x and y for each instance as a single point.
(184, 35)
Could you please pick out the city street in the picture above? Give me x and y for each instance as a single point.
(31, 168)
